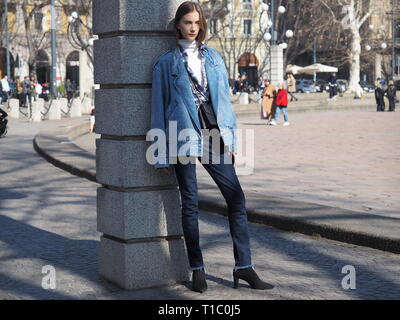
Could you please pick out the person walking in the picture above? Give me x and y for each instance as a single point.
(291, 81)
(5, 88)
(69, 87)
(18, 84)
(268, 101)
(380, 98)
(391, 95)
(26, 94)
(332, 82)
(186, 97)
(281, 106)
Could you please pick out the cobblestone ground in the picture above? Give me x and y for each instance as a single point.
(48, 217)
(348, 159)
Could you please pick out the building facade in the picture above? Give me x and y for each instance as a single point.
(29, 29)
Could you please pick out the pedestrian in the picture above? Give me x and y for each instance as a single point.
(236, 86)
(92, 120)
(69, 87)
(181, 97)
(391, 95)
(260, 88)
(244, 84)
(291, 81)
(268, 101)
(379, 98)
(5, 88)
(33, 88)
(281, 106)
(18, 85)
(1, 93)
(26, 93)
(332, 83)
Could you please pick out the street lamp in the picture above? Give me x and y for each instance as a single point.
(270, 34)
(74, 36)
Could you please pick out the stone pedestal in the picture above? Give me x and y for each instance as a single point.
(76, 108)
(138, 207)
(37, 108)
(14, 106)
(86, 105)
(55, 111)
(64, 105)
(244, 98)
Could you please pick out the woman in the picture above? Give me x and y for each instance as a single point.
(268, 101)
(191, 95)
(291, 86)
(281, 106)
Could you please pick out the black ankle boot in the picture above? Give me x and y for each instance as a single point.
(251, 277)
(199, 283)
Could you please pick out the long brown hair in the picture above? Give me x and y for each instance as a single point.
(185, 8)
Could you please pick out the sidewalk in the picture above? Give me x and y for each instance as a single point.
(265, 205)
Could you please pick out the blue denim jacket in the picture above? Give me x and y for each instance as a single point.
(173, 100)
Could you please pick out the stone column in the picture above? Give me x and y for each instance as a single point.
(138, 208)
(378, 66)
(276, 65)
(85, 81)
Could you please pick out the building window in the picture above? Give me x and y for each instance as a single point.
(38, 17)
(213, 26)
(247, 4)
(247, 27)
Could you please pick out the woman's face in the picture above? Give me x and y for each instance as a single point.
(189, 26)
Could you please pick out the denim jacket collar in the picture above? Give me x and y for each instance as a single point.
(179, 72)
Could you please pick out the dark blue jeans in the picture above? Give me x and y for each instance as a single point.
(226, 179)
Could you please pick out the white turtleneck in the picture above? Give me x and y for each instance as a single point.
(194, 57)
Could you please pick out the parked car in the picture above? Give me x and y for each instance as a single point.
(367, 87)
(304, 85)
(342, 85)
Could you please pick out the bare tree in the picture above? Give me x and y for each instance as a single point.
(229, 32)
(351, 17)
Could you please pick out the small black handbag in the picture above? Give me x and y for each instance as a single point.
(206, 110)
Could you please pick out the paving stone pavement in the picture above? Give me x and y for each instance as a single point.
(348, 159)
(48, 217)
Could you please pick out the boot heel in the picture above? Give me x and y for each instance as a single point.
(235, 282)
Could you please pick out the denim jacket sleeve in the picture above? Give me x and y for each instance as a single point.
(159, 92)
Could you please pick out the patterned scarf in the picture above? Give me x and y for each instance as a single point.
(203, 95)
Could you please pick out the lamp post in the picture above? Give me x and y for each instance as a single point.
(276, 49)
(8, 72)
(75, 39)
(53, 51)
(394, 23)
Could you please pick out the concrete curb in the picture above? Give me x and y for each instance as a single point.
(357, 231)
(56, 147)
(338, 224)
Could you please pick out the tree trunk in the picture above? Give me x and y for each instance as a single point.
(355, 59)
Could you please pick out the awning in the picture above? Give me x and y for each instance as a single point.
(317, 67)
